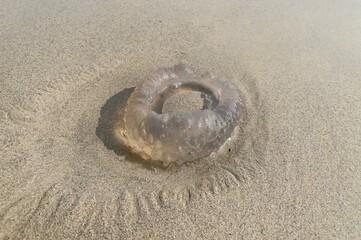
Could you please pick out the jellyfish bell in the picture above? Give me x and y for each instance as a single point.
(155, 135)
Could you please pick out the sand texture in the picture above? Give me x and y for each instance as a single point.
(67, 69)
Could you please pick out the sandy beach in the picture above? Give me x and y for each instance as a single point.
(67, 69)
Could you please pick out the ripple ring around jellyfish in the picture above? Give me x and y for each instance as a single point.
(187, 136)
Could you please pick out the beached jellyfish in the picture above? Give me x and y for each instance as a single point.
(187, 136)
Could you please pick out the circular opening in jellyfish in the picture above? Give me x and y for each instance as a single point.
(185, 94)
(183, 98)
(183, 102)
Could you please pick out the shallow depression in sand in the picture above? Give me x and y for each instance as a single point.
(69, 162)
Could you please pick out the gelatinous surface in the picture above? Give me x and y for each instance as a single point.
(188, 136)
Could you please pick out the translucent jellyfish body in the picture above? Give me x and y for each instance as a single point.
(184, 137)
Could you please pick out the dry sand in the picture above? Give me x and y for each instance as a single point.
(67, 67)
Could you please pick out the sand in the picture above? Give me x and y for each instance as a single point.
(67, 68)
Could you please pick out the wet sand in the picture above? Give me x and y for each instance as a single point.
(67, 69)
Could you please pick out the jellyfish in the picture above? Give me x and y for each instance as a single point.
(158, 136)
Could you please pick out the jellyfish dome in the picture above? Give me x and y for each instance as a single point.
(155, 135)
